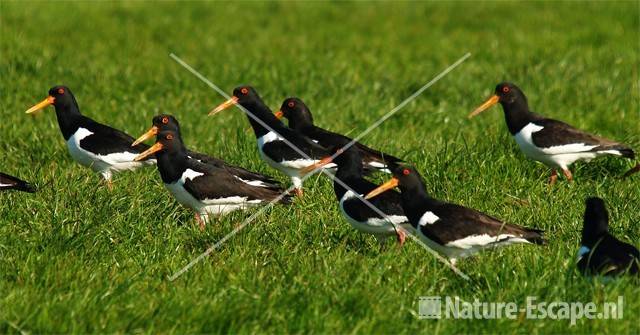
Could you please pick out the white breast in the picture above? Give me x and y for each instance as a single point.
(214, 207)
(560, 156)
(291, 167)
(104, 164)
(373, 225)
(483, 240)
(428, 218)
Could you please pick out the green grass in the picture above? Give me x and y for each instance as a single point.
(75, 257)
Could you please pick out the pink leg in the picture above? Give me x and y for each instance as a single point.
(554, 177)
(401, 236)
(200, 221)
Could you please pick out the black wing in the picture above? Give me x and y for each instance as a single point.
(556, 132)
(457, 222)
(8, 182)
(281, 151)
(389, 202)
(330, 139)
(106, 140)
(236, 170)
(218, 183)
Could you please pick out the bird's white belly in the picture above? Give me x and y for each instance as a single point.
(376, 226)
(290, 168)
(560, 156)
(103, 164)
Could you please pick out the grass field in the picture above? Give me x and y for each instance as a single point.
(77, 258)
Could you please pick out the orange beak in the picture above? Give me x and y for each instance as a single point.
(319, 164)
(279, 114)
(42, 104)
(224, 105)
(154, 148)
(150, 133)
(490, 102)
(393, 182)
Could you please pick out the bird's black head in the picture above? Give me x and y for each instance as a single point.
(296, 112)
(406, 178)
(596, 221)
(509, 93)
(168, 143)
(246, 94)
(160, 123)
(166, 122)
(61, 98)
(247, 97)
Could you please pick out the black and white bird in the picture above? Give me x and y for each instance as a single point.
(452, 230)
(8, 182)
(103, 149)
(554, 143)
(359, 214)
(301, 120)
(601, 253)
(282, 148)
(207, 189)
(164, 122)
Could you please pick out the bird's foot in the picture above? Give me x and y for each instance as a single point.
(109, 185)
(200, 221)
(568, 174)
(553, 178)
(401, 236)
(298, 192)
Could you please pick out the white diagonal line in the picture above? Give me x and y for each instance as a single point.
(366, 202)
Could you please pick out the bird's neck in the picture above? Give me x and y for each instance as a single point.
(517, 115)
(300, 124)
(415, 200)
(259, 110)
(349, 174)
(68, 116)
(171, 165)
(592, 235)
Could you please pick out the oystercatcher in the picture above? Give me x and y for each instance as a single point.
(554, 143)
(359, 214)
(301, 120)
(104, 149)
(168, 122)
(282, 148)
(601, 253)
(205, 188)
(8, 182)
(452, 230)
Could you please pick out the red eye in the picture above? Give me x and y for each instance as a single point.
(291, 104)
(244, 90)
(61, 91)
(165, 120)
(506, 89)
(406, 172)
(169, 137)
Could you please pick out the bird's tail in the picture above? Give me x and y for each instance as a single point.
(621, 150)
(535, 236)
(287, 199)
(632, 171)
